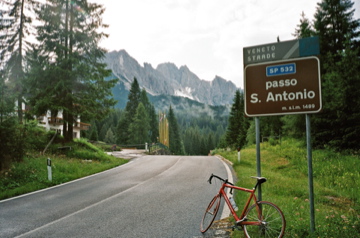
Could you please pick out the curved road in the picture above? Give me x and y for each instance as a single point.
(151, 196)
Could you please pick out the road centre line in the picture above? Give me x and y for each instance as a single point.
(95, 204)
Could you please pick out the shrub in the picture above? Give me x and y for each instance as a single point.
(12, 141)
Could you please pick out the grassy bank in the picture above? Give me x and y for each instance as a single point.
(336, 187)
(31, 174)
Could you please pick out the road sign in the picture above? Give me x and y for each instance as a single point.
(283, 87)
(282, 69)
(281, 50)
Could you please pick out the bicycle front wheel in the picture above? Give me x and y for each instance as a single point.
(271, 218)
(210, 213)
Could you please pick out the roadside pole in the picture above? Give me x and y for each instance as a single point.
(239, 156)
(310, 173)
(49, 169)
(258, 160)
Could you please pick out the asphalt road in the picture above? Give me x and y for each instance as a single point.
(151, 196)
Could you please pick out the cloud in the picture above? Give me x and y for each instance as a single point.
(206, 35)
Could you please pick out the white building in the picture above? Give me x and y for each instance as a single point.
(55, 123)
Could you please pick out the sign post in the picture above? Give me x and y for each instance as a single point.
(279, 79)
(310, 173)
(258, 158)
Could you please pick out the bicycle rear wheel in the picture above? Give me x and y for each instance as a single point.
(210, 213)
(271, 218)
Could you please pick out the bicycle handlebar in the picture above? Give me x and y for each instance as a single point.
(224, 180)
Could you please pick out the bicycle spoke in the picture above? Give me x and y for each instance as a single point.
(272, 222)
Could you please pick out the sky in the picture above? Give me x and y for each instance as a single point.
(208, 36)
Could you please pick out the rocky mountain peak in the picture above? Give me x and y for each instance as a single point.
(168, 79)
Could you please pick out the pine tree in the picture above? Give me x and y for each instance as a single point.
(70, 62)
(238, 124)
(6, 99)
(93, 133)
(335, 26)
(104, 129)
(153, 120)
(109, 137)
(154, 124)
(210, 141)
(15, 27)
(234, 126)
(121, 133)
(339, 45)
(138, 129)
(134, 98)
(304, 29)
(175, 143)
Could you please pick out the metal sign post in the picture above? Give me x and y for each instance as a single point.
(310, 173)
(279, 79)
(258, 159)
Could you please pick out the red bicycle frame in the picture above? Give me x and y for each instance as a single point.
(239, 220)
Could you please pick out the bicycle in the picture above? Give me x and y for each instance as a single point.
(261, 219)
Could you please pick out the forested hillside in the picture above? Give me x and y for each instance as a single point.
(194, 128)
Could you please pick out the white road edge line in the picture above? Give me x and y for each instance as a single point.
(226, 211)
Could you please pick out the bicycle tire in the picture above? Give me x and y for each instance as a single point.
(272, 221)
(210, 213)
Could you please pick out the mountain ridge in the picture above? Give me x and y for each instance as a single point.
(168, 79)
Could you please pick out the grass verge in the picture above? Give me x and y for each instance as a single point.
(31, 174)
(336, 187)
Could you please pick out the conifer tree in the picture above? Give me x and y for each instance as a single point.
(109, 137)
(154, 124)
(6, 99)
(15, 27)
(175, 143)
(234, 126)
(339, 36)
(153, 120)
(304, 29)
(335, 26)
(134, 98)
(73, 76)
(122, 130)
(139, 128)
(210, 142)
(93, 133)
(238, 124)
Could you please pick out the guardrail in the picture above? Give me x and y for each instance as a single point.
(159, 149)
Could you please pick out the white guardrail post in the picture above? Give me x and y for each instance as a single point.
(49, 169)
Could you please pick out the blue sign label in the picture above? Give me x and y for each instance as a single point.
(283, 69)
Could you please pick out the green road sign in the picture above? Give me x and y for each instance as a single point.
(281, 50)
